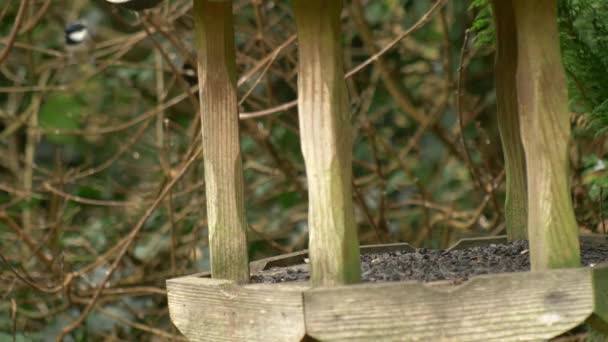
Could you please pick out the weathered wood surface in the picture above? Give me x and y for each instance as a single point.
(478, 242)
(220, 129)
(325, 134)
(542, 97)
(206, 309)
(516, 202)
(506, 307)
(464, 243)
(279, 261)
(512, 306)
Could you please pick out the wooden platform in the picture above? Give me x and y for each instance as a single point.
(504, 307)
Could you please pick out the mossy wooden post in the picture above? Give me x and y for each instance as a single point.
(221, 149)
(325, 130)
(516, 203)
(545, 129)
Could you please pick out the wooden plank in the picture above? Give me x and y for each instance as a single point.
(325, 131)
(387, 248)
(516, 202)
(205, 274)
(594, 239)
(281, 260)
(465, 243)
(506, 307)
(219, 310)
(542, 97)
(478, 242)
(472, 308)
(220, 129)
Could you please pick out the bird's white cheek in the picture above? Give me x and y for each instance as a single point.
(78, 36)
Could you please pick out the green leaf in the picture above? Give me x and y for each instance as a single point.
(289, 199)
(61, 112)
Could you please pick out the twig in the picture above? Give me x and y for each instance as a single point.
(417, 25)
(602, 209)
(14, 318)
(130, 239)
(280, 108)
(459, 110)
(14, 31)
(267, 60)
(78, 199)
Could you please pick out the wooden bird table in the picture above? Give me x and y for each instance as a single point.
(556, 296)
(524, 306)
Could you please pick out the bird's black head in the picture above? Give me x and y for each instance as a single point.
(76, 33)
(135, 5)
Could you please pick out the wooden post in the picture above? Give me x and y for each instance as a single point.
(325, 129)
(516, 204)
(545, 128)
(220, 129)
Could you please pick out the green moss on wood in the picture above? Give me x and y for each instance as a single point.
(220, 129)
(326, 143)
(545, 130)
(599, 319)
(516, 204)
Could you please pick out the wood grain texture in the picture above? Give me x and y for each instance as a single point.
(513, 306)
(516, 202)
(325, 131)
(220, 129)
(530, 306)
(220, 310)
(545, 128)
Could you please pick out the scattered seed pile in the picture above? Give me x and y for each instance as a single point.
(434, 265)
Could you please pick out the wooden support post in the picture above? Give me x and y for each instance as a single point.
(516, 204)
(545, 128)
(599, 319)
(220, 128)
(325, 129)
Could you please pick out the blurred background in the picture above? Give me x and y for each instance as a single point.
(90, 133)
